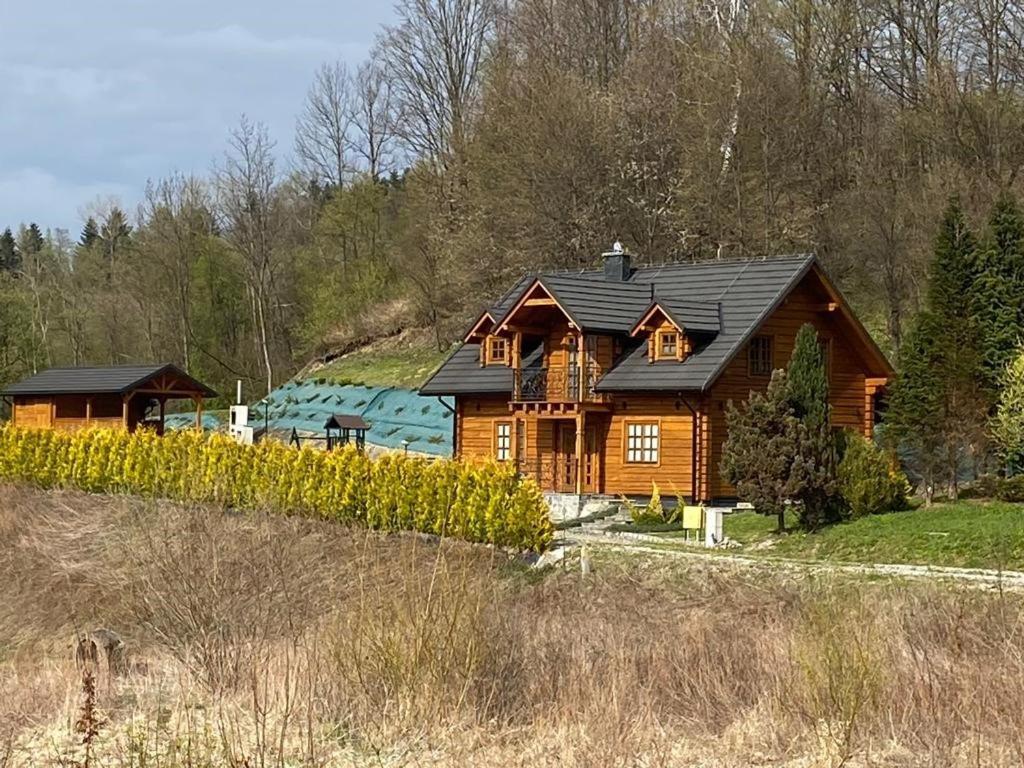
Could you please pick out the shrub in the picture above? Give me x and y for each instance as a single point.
(651, 513)
(477, 502)
(869, 480)
(1011, 489)
(985, 487)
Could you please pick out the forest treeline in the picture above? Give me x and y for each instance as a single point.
(482, 138)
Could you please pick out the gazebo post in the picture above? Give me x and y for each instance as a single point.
(163, 402)
(125, 400)
(198, 400)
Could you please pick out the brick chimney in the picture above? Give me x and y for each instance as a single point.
(616, 264)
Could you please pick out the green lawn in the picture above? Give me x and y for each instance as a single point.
(970, 533)
(406, 367)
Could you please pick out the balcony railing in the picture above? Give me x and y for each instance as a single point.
(556, 384)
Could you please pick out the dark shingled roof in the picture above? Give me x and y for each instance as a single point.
(346, 421)
(596, 305)
(117, 379)
(462, 374)
(696, 316)
(742, 293)
(747, 292)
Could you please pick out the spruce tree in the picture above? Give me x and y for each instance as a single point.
(90, 233)
(807, 390)
(807, 379)
(997, 300)
(941, 374)
(761, 456)
(10, 259)
(32, 240)
(914, 418)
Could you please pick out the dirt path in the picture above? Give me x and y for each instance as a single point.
(975, 577)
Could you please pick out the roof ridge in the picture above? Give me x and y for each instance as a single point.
(692, 262)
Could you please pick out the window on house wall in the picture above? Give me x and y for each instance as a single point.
(668, 345)
(643, 442)
(69, 407)
(503, 440)
(760, 362)
(497, 349)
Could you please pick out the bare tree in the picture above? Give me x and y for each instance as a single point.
(246, 186)
(433, 57)
(372, 117)
(322, 140)
(178, 219)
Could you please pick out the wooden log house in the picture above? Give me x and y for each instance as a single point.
(121, 397)
(604, 382)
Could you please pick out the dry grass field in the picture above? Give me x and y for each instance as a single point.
(256, 641)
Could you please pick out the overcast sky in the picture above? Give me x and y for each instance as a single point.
(97, 96)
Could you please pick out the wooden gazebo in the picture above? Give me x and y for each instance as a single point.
(121, 396)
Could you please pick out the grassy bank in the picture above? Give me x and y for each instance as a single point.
(404, 362)
(969, 534)
(264, 640)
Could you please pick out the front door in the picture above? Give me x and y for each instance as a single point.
(566, 464)
(565, 457)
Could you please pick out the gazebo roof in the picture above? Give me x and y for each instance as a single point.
(116, 379)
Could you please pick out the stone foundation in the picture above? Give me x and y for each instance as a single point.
(570, 506)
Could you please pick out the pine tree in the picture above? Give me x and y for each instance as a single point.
(942, 408)
(10, 259)
(32, 240)
(114, 238)
(916, 404)
(807, 379)
(807, 390)
(997, 300)
(761, 456)
(90, 233)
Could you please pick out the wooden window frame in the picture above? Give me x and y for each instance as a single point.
(771, 355)
(659, 344)
(497, 439)
(78, 410)
(641, 422)
(490, 357)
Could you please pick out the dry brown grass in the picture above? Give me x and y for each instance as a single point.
(258, 641)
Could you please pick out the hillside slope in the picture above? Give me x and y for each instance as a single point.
(404, 360)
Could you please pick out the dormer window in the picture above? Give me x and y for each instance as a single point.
(668, 345)
(497, 350)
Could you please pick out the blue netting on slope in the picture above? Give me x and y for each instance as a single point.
(188, 420)
(393, 414)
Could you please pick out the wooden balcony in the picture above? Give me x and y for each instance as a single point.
(557, 384)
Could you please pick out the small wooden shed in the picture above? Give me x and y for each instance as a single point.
(120, 396)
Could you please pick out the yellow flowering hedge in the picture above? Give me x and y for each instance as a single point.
(481, 503)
